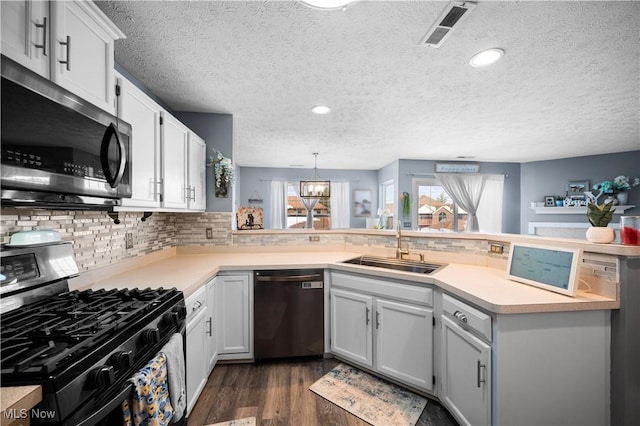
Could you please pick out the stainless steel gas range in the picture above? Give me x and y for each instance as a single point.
(80, 346)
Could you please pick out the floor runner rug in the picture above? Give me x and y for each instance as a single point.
(249, 421)
(373, 400)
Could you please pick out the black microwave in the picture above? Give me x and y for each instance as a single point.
(58, 150)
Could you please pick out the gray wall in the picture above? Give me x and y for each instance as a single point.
(259, 179)
(550, 177)
(217, 131)
(511, 198)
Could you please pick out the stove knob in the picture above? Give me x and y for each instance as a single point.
(150, 336)
(171, 318)
(122, 360)
(102, 377)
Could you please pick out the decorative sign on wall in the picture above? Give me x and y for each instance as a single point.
(457, 167)
(249, 218)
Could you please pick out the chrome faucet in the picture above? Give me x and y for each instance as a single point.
(400, 251)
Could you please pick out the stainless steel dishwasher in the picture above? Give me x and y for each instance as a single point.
(288, 313)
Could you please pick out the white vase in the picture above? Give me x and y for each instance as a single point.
(622, 197)
(601, 234)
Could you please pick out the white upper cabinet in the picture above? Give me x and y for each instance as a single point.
(83, 45)
(69, 42)
(26, 34)
(174, 141)
(139, 110)
(197, 153)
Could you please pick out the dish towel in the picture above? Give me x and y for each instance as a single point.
(174, 352)
(149, 404)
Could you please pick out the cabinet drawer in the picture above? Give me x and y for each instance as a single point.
(196, 302)
(395, 290)
(467, 316)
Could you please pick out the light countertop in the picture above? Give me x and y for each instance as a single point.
(16, 402)
(484, 286)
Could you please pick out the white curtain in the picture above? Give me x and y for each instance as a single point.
(278, 204)
(309, 204)
(466, 191)
(490, 209)
(340, 208)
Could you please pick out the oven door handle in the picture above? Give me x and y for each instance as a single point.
(95, 417)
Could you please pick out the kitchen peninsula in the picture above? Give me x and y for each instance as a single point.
(472, 275)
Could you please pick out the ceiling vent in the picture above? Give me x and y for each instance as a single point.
(455, 13)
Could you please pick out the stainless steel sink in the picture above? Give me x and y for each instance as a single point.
(395, 264)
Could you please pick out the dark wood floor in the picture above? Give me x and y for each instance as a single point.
(277, 393)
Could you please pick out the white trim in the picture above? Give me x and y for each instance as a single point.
(531, 230)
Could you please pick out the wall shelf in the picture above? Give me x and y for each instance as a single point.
(574, 210)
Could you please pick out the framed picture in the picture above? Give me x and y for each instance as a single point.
(549, 201)
(249, 218)
(577, 188)
(362, 202)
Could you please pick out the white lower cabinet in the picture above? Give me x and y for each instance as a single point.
(466, 375)
(234, 314)
(210, 326)
(465, 369)
(351, 335)
(391, 337)
(404, 342)
(197, 362)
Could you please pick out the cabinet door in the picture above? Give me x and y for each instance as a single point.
(351, 326)
(139, 110)
(210, 326)
(466, 375)
(82, 52)
(174, 162)
(196, 357)
(196, 167)
(25, 35)
(404, 342)
(234, 314)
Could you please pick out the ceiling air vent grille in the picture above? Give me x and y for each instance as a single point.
(455, 13)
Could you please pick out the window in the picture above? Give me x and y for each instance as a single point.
(297, 211)
(436, 209)
(388, 198)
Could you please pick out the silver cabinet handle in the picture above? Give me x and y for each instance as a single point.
(460, 316)
(192, 189)
(367, 316)
(68, 44)
(377, 320)
(196, 306)
(43, 46)
(209, 321)
(480, 379)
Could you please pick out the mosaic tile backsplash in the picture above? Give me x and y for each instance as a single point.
(99, 242)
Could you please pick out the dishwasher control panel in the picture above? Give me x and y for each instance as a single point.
(312, 284)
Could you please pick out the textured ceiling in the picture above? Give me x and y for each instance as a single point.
(568, 85)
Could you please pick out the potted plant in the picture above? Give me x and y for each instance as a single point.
(599, 216)
(223, 172)
(622, 184)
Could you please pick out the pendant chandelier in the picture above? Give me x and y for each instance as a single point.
(315, 188)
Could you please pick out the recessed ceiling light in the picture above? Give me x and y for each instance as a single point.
(486, 57)
(327, 4)
(321, 109)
